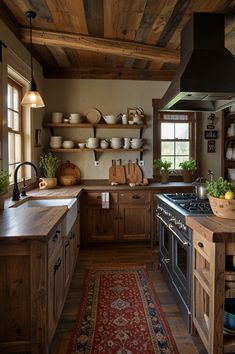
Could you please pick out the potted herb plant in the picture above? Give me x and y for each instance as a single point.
(164, 167)
(4, 183)
(49, 164)
(188, 169)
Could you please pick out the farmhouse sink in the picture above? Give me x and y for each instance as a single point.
(70, 217)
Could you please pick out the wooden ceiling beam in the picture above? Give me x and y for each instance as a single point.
(101, 45)
(108, 73)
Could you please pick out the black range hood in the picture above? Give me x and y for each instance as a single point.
(205, 79)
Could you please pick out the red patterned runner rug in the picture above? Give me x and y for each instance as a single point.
(120, 314)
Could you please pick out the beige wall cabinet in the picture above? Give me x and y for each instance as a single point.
(127, 218)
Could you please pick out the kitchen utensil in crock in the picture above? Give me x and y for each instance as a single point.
(200, 188)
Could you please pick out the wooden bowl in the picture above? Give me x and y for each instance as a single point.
(223, 208)
(67, 180)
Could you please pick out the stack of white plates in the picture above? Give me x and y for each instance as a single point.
(57, 117)
(55, 142)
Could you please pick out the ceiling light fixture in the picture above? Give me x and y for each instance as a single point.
(32, 98)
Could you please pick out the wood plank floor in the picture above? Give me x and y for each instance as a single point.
(115, 254)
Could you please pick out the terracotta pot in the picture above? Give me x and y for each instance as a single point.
(47, 183)
(164, 177)
(187, 175)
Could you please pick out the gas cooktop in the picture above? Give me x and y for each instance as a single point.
(190, 203)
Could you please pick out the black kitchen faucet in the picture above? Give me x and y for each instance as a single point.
(16, 193)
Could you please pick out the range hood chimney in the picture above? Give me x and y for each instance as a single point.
(205, 79)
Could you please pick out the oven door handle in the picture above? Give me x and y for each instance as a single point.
(162, 220)
(182, 240)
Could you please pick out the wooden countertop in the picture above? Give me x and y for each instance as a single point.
(32, 222)
(28, 223)
(211, 227)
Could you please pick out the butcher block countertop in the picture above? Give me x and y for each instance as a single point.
(34, 222)
(27, 223)
(211, 227)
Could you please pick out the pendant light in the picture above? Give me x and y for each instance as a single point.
(32, 98)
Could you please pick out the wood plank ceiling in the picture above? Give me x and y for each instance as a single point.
(110, 39)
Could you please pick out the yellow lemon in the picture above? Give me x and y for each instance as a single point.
(229, 195)
(221, 196)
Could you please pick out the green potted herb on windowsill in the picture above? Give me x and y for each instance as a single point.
(164, 167)
(4, 183)
(188, 168)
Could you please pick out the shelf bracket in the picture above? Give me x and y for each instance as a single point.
(94, 131)
(51, 131)
(141, 155)
(95, 155)
(140, 133)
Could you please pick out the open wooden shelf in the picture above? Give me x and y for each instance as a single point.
(89, 125)
(97, 150)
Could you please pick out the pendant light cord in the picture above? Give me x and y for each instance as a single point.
(31, 45)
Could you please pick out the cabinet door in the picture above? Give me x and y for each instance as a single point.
(67, 262)
(134, 215)
(101, 223)
(55, 291)
(134, 222)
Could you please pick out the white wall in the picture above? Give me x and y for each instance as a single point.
(110, 97)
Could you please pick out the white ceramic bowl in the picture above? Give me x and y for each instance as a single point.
(81, 145)
(56, 138)
(68, 144)
(111, 119)
(75, 118)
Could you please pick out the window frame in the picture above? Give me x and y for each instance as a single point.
(19, 132)
(195, 129)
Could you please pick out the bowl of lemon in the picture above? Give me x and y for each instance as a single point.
(222, 198)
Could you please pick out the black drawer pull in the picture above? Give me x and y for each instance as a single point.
(57, 265)
(136, 196)
(200, 244)
(72, 236)
(55, 237)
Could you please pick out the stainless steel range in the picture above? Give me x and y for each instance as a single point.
(175, 244)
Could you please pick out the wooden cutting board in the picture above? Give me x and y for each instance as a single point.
(117, 173)
(68, 169)
(133, 173)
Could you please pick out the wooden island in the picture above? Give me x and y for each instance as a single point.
(213, 264)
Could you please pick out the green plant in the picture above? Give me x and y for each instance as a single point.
(162, 165)
(4, 181)
(49, 164)
(218, 187)
(188, 165)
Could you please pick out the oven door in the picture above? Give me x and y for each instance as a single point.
(181, 265)
(165, 245)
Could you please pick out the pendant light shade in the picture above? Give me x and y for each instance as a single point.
(32, 98)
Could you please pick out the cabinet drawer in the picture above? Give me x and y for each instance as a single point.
(55, 240)
(201, 244)
(135, 197)
(95, 198)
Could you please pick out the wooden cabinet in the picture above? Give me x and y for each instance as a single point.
(55, 290)
(101, 223)
(134, 215)
(228, 142)
(126, 219)
(35, 275)
(210, 268)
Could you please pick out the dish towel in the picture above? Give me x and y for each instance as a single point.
(105, 200)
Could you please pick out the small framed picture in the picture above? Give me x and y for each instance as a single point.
(211, 146)
(210, 134)
(38, 137)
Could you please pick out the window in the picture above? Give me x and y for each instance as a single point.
(15, 129)
(176, 137)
